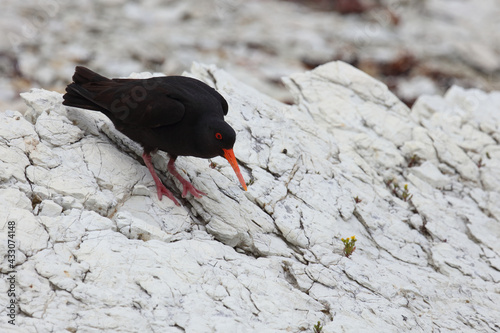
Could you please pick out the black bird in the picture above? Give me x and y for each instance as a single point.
(179, 115)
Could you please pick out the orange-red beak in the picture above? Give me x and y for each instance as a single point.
(229, 155)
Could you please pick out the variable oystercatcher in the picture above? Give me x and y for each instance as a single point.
(179, 115)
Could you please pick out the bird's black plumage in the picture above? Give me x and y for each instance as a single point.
(180, 115)
(176, 114)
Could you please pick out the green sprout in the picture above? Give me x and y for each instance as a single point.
(414, 160)
(214, 165)
(405, 195)
(349, 245)
(318, 328)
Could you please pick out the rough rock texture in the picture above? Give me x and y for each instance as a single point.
(97, 251)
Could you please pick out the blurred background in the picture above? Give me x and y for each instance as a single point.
(414, 46)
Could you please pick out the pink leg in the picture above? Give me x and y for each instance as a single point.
(186, 186)
(160, 188)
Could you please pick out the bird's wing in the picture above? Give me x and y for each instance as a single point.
(132, 101)
(205, 87)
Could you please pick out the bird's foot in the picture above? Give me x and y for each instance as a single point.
(188, 187)
(162, 190)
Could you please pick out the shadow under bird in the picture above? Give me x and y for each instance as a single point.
(179, 115)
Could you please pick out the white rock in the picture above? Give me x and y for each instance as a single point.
(50, 208)
(15, 198)
(429, 173)
(28, 233)
(268, 260)
(13, 163)
(415, 87)
(57, 130)
(479, 55)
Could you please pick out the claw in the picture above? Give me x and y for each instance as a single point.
(161, 190)
(186, 186)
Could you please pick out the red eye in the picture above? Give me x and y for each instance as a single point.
(218, 136)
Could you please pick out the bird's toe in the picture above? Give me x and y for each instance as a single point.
(189, 188)
(163, 191)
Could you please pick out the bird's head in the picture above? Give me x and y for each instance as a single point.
(218, 140)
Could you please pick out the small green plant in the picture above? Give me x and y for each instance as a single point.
(414, 160)
(405, 195)
(349, 245)
(357, 199)
(318, 328)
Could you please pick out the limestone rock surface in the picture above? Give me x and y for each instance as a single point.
(96, 251)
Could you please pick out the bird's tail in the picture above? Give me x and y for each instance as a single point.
(76, 93)
(84, 75)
